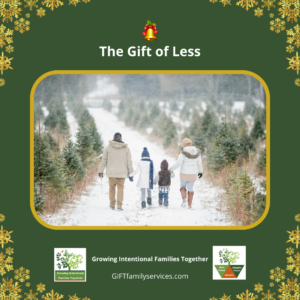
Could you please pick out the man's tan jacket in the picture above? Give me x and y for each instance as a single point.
(117, 160)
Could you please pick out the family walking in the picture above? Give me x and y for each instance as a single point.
(118, 163)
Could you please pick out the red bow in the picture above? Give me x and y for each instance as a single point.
(148, 27)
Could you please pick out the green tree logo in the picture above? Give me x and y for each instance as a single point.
(227, 256)
(68, 260)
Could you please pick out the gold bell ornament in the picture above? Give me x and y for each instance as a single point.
(150, 31)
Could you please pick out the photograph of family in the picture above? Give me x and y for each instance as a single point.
(150, 150)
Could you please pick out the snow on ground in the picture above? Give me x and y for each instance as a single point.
(258, 102)
(45, 111)
(149, 130)
(73, 125)
(93, 207)
(238, 106)
(105, 88)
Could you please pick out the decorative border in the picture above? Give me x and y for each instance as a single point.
(288, 289)
(16, 17)
(148, 227)
(10, 288)
(289, 11)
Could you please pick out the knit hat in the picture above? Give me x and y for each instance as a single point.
(164, 165)
(145, 153)
(117, 136)
(186, 142)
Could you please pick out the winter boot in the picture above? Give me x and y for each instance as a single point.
(183, 196)
(143, 204)
(119, 209)
(190, 199)
(160, 203)
(111, 207)
(149, 201)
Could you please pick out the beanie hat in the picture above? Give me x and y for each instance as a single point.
(164, 165)
(186, 142)
(145, 153)
(117, 136)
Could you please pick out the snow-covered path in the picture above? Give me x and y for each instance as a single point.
(93, 207)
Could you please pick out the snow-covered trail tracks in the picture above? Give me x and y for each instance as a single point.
(92, 209)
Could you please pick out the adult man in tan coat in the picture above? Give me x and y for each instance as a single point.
(117, 160)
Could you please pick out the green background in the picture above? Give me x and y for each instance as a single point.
(230, 38)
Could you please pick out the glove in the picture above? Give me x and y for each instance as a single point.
(131, 179)
(199, 175)
(101, 175)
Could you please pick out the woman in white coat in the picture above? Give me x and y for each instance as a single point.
(147, 174)
(190, 164)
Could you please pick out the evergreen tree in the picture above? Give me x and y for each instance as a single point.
(154, 112)
(216, 157)
(185, 111)
(128, 116)
(98, 144)
(206, 120)
(212, 131)
(78, 108)
(43, 163)
(233, 128)
(263, 115)
(173, 105)
(141, 106)
(59, 182)
(220, 108)
(52, 143)
(257, 131)
(240, 190)
(159, 124)
(170, 132)
(84, 145)
(88, 125)
(74, 167)
(51, 121)
(250, 107)
(144, 121)
(62, 125)
(228, 143)
(229, 102)
(107, 105)
(213, 100)
(195, 123)
(186, 134)
(136, 118)
(262, 160)
(246, 142)
(199, 140)
(84, 118)
(260, 202)
(121, 109)
(39, 202)
(38, 112)
(57, 117)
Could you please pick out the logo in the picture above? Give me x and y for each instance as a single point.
(229, 262)
(69, 265)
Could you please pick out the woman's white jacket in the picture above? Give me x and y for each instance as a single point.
(189, 161)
